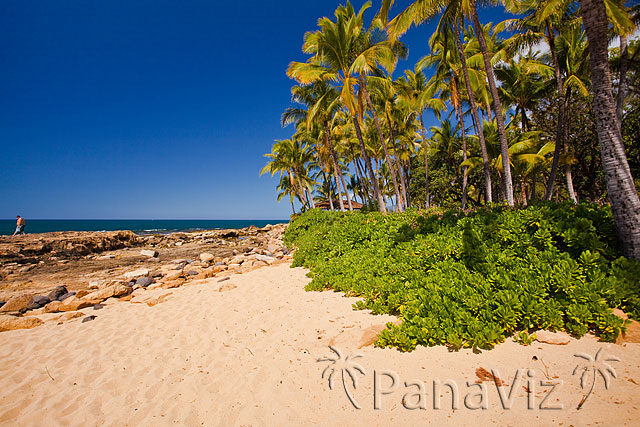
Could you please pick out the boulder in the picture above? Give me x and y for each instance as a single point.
(72, 304)
(172, 284)
(144, 282)
(265, 258)
(65, 296)
(17, 303)
(206, 257)
(149, 252)
(555, 338)
(52, 307)
(82, 293)
(89, 318)
(136, 273)
(173, 275)
(103, 294)
(10, 323)
(193, 273)
(37, 301)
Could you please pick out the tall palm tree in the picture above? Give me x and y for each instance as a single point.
(421, 11)
(418, 96)
(621, 190)
(344, 51)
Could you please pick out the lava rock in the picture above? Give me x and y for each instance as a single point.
(192, 273)
(65, 296)
(57, 293)
(89, 318)
(144, 281)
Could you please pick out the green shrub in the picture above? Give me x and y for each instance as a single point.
(473, 280)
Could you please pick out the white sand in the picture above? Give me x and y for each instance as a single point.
(248, 356)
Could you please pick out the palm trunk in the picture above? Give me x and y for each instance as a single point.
(392, 170)
(367, 162)
(622, 85)
(474, 114)
(293, 208)
(366, 192)
(294, 186)
(567, 166)
(497, 106)
(403, 186)
(425, 147)
(465, 169)
(561, 115)
(336, 170)
(329, 195)
(625, 204)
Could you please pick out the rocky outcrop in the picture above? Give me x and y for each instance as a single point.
(10, 323)
(26, 248)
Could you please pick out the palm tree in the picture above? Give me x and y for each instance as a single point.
(291, 156)
(423, 10)
(344, 51)
(625, 204)
(418, 96)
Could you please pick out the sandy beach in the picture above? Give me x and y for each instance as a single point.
(245, 351)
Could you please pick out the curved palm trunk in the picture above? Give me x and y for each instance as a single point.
(625, 204)
(367, 162)
(497, 106)
(561, 116)
(425, 147)
(294, 186)
(293, 208)
(403, 186)
(392, 170)
(474, 114)
(567, 166)
(622, 85)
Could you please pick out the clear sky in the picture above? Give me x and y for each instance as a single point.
(150, 109)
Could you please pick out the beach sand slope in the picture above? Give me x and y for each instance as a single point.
(245, 352)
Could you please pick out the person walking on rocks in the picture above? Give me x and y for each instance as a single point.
(20, 223)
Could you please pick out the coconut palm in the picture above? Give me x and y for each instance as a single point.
(621, 190)
(344, 51)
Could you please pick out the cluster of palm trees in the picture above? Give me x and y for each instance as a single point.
(359, 132)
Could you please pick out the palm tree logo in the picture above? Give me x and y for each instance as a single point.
(597, 364)
(344, 365)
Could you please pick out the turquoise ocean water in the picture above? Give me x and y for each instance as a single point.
(139, 226)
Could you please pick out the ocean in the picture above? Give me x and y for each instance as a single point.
(138, 226)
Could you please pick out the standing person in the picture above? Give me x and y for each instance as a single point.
(20, 223)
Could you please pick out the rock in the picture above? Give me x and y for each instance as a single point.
(149, 253)
(227, 287)
(206, 257)
(17, 303)
(219, 263)
(193, 273)
(172, 284)
(10, 323)
(98, 307)
(632, 331)
(111, 291)
(266, 259)
(144, 282)
(72, 304)
(82, 293)
(66, 317)
(37, 301)
(555, 338)
(224, 279)
(89, 318)
(65, 296)
(52, 307)
(136, 273)
(174, 275)
(2, 303)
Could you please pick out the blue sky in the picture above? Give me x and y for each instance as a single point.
(150, 109)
